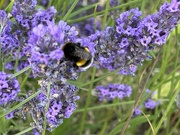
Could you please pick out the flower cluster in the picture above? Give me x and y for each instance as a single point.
(26, 15)
(9, 42)
(39, 45)
(61, 105)
(9, 88)
(47, 60)
(15, 35)
(127, 46)
(46, 55)
(113, 91)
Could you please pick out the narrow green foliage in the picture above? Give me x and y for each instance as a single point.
(102, 12)
(70, 10)
(87, 103)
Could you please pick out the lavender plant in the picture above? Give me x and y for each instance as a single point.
(33, 39)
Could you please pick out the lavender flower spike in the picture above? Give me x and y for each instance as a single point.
(127, 46)
(46, 55)
(62, 103)
(25, 13)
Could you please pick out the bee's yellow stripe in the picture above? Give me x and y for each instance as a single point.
(81, 63)
(86, 49)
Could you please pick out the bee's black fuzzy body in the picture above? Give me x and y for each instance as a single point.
(78, 54)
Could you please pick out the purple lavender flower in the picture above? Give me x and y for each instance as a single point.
(27, 16)
(11, 39)
(46, 55)
(3, 19)
(43, 16)
(86, 28)
(113, 91)
(137, 110)
(9, 88)
(150, 103)
(127, 46)
(61, 105)
(44, 2)
(114, 3)
(23, 11)
(9, 42)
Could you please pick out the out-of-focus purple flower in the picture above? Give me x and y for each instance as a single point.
(86, 28)
(46, 55)
(137, 111)
(113, 91)
(44, 2)
(127, 46)
(114, 3)
(150, 104)
(9, 88)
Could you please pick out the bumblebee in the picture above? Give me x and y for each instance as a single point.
(78, 54)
